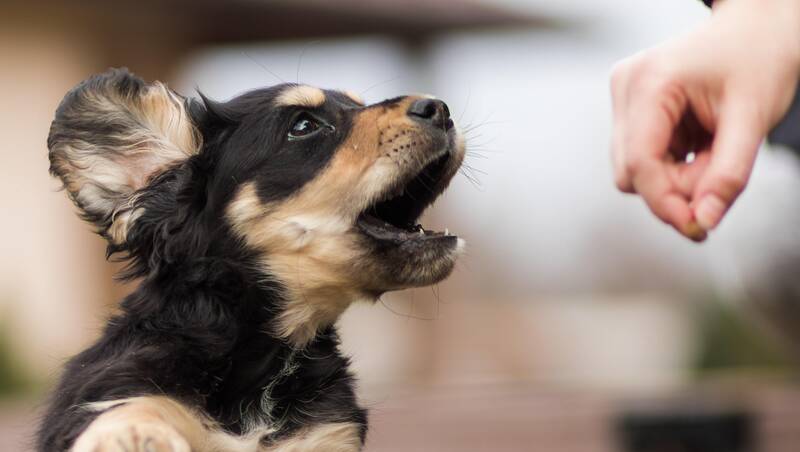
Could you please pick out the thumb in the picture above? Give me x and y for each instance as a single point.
(733, 154)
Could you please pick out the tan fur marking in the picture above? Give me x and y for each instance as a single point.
(302, 96)
(160, 424)
(308, 252)
(355, 97)
(342, 437)
(142, 423)
(123, 220)
(308, 241)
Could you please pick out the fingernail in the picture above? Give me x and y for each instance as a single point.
(709, 212)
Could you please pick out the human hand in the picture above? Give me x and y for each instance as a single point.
(714, 94)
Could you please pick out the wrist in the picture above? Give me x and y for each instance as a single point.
(778, 10)
(781, 17)
(786, 15)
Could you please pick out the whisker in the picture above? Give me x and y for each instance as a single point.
(263, 67)
(430, 190)
(480, 147)
(470, 137)
(466, 104)
(413, 301)
(475, 183)
(490, 123)
(435, 290)
(395, 312)
(472, 174)
(300, 58)
(437, 306)
(470, 178)
(479, 171)
(362, 93)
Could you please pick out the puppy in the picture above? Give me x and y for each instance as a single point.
(252, 225)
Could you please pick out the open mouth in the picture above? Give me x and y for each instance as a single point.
(395, 218)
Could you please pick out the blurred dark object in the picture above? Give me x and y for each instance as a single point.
(787, 132)
(694, 426)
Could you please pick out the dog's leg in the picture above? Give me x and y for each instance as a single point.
(334, 437)
(143, 424)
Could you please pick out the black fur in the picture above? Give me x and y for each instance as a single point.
(194, 328)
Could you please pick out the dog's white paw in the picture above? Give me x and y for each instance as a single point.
(131, 437)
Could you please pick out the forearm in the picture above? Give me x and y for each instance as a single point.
(753, 22)
(779, 9)
(782, 11)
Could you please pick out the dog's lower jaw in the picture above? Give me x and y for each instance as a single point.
(308, 308)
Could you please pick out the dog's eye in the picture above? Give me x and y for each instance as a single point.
(304, 126)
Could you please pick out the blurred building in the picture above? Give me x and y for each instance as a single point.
(55, 287)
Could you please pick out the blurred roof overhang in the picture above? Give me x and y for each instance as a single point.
(215, 21)
(248, 20)
(152, 35)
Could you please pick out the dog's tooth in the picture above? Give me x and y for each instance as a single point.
(421, 231)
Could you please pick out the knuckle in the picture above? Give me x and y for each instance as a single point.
(732, 183)
(657, 84)
(619, 76)
(651, 75)
(633, 164)
(661, 209)
(623, 183)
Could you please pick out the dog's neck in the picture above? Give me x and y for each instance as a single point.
(248, 372)
(310, 250)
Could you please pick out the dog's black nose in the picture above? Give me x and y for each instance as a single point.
(431, 111)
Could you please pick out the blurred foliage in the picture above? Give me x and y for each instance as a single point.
(13, 380)
(730, 340)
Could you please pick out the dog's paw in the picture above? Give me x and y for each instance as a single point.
(131, 437)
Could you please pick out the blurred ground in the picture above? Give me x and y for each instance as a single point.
(497, 419)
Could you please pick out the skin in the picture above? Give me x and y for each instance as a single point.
(714, 92)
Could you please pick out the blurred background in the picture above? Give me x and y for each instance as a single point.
(575, 321)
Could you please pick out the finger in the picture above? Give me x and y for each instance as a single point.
(733, 154)
(661, 196)
(622, 178)
(642, 144)
(647, 143)
(619, 88)
(685, 176)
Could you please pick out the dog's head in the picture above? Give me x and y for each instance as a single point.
(323, 190)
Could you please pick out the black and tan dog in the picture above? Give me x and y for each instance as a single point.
(253, 224)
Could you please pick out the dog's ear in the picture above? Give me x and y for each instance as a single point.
(112, 134)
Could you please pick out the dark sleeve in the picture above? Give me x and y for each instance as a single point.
(708, 2)
(787, 132)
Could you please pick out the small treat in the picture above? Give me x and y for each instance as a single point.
(695, 232)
